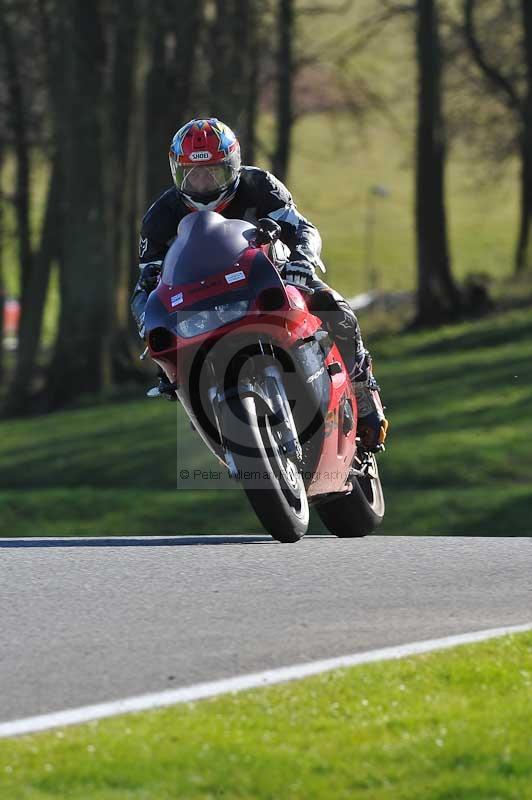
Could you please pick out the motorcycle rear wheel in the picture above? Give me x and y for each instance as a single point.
(359, 513)
(272, 481)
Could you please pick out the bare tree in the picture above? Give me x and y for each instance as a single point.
(513, 88)
(10, 20)
(86, 279)
(234, 47)
(2, 285)
(126, 130)
(285, 77)
(438, 297)
(33, 301)
(171, 86)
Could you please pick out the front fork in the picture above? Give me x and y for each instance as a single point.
(269, 393)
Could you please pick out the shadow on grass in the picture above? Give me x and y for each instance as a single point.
(504, 511)
(509, 517)
(481, 336)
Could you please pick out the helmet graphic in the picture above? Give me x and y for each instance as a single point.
(205, 163)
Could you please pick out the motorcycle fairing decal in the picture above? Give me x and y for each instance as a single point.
(176, 299)
(316, 375)
(331, 423)
(233, 277)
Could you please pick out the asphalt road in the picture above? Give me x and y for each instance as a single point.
(87, 621)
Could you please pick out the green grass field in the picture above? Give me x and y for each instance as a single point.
(458, 460)
(443, 726)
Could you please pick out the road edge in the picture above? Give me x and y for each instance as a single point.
(239, 683)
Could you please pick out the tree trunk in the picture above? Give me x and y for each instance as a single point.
(285, 71)
(234, 52)
(86, 280)
(19, 399)
(438, 298)
(19, 127)
(221, 56)
(2, 286)
(251, 108)
(132, 204)
(508, 92)
(32, 311)
(250, 43)
(523, 257)
(171, 81)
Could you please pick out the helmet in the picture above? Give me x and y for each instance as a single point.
(205, 163)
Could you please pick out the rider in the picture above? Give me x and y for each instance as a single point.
(208, 176)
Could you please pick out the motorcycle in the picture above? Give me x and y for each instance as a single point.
(261, 379)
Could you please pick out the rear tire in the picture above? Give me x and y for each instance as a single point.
(272, 482)
(359, 513)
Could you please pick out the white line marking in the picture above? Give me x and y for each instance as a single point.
(239, 683)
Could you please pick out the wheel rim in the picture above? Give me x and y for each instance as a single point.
(290, 480)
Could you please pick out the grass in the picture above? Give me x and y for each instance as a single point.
(458, 460)
(444, 726)
(112, 469)
(459, 403)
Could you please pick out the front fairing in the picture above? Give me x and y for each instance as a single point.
(243, 286)
(213, 277)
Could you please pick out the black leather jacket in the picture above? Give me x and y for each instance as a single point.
(259, 194)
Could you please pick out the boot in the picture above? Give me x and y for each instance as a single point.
(372, 424)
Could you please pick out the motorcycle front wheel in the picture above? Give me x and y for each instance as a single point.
(270, 478)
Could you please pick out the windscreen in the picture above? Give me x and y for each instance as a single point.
(206, 244)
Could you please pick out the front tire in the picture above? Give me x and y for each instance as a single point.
(359, 513)
(272, 481)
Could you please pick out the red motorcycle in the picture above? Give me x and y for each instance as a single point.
(261, 379)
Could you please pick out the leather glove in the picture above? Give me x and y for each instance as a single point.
(268, 231)
(149, 277)
(299, 273)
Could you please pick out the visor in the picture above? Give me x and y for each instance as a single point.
(205, 179)
(202, 179)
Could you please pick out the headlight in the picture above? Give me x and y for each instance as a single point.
(200, 322)
(211, 318)
(231, 311)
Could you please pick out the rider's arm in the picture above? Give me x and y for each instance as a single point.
(151, 256)
(300, 235)
(157, 233)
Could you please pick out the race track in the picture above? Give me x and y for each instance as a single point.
(90, 620)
